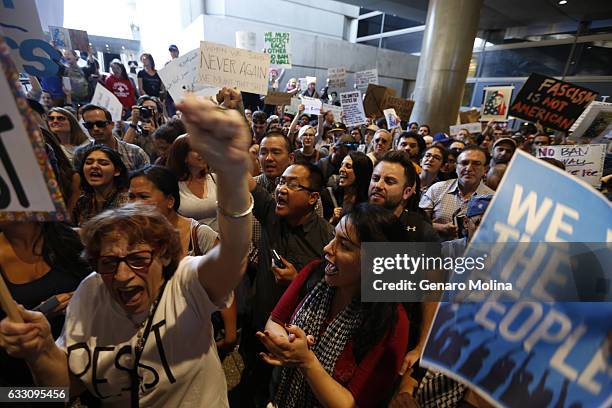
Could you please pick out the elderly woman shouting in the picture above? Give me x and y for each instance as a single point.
(138, 330)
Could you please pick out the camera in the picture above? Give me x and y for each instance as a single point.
(145, 112)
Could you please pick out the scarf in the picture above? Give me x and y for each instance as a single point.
(293, 390)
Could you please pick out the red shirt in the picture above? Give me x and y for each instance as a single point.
(123, 90)
(369, 380)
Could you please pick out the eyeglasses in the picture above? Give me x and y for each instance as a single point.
(101, 124)
(137, 261)
(56, 118)
(432, 156)
(466, 163)
(292, 185)
(350, 145)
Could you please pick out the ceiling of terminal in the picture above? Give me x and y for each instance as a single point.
(500, 14)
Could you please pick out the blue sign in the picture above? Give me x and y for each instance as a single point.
(532, 354)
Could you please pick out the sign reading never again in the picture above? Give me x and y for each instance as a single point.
(221, 66)
(28, 189)
(555, 104)
(537, 353)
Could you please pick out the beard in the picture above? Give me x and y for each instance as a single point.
(391, 203)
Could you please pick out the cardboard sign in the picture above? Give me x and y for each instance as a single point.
(496, 102)
(180, 76)
(337, 77)
(470, 127)
(79, 39)
(277, 98)
(28, 188)
(278, 46)
(403, 107)
(336, 110)
(364, 78)
(392, 119)
(352, 106)
(555, 104)
(532, 354)
(105, 98)
(292, 109)
(583, 161)
(221, 66)
(246, 40)
(22, 32)
(471, 116)
(375, 97)
(312, 106)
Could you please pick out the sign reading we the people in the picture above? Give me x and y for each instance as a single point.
(555, 104)
(583, 161)
(278, 46)
(526, 348)
(221, 65)
(28, 188)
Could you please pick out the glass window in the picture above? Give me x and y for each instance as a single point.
(393, 23)
(369, 26)
(373, 43)
(467, 94)
(409, 43)
(549, 60)
(594, 58)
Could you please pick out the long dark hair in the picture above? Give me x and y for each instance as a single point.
(62, 246)
(363, 168)
(66, 171)
(163, 179)
(374, 223)
(121, 181)
(124, 74)
(176, 158)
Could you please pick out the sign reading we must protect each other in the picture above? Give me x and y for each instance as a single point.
(278, 45)
(553, 103)
(221, 66)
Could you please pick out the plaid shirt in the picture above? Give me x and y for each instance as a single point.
(131, 155)
(442, 201)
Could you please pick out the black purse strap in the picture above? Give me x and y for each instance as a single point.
(134, 378)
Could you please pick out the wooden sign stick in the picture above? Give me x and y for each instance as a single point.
(8, 304)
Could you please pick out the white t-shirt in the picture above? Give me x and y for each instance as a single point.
(179, 363)
(201, 209)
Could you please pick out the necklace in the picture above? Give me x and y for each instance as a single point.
(141, 338)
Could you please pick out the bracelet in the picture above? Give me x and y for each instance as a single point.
(238, 215)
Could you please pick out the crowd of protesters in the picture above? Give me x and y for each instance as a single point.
(160, 205)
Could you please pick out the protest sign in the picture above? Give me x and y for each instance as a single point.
(105, 98)
(79, 39)
(532, 354)
(352, 107)
(221, 66)
(277, 98)
(594, 123)
(375, 98)
(403, 107)
(278, 46)
(392, 119)
(22, 32)
(496, 102)
(364, 78)
(312, 106)
(555, 104)
(60, 37)
(246, 40)
(336, 110)
(293, 107)
(302, 84)
(470, 127)
(180, 76)
(337, 77)
(471, 116)
(28, 188)
(583, 161)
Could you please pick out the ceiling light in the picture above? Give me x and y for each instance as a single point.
(562, 2)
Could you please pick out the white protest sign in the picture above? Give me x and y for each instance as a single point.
(336, 110)
(293, 108)
(363, 78)
(221, 66)
(352, 106)
(312, 106)
(583, 161)
(475, 127)
(22, 32)
(392, 119)
(105, 98)
(278, 46)
(246, 40)
(180, 76)
(22, 183)
(302, 85)
(586, 119)
(337, 77)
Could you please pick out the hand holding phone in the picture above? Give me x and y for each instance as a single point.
(48, 305)
(276, 259)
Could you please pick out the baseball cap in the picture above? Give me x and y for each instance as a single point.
(373, 128)
(338, 126)
(173, 48)
(505, 139)
(478, 205)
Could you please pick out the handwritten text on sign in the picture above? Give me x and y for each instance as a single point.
(352, 106)
(180, 76)
(221, 66)
(278, 46)
(553, 103)
(583, 161)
